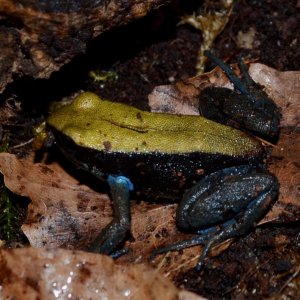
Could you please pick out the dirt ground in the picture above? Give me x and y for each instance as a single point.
(154, 51)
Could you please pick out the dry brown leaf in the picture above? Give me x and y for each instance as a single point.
(283, 88)
(182, 97)
(286, 166)
(62, 212)
(30, 273)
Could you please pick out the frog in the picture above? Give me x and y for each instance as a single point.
(215, 172)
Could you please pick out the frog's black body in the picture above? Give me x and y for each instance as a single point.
(237, 196)
(216, 199)
(156, 175)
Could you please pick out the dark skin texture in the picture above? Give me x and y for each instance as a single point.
(227, 203)
(247, 106)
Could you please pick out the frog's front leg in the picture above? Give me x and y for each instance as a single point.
(117, 230)
(237, 198)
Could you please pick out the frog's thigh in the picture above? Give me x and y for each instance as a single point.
(229, 196)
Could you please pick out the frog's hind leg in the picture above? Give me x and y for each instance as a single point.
(206, 238)
(255, 93)
(242, 224)
(239, 226)
(232, 199)
(118, 229)
(245, 74)
(252, 108)
(238, 84)
(200, 239)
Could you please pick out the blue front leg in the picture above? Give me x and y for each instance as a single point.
(118, 229)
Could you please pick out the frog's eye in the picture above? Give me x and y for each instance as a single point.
(86, 100)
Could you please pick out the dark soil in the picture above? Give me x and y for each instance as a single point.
(169, 52)
(155, 51)
(257, 266)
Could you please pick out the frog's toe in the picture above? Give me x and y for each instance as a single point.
(118, 253)
(206, 240)
(197, 240)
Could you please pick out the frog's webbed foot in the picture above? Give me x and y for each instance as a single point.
(197, 240)
(116, 232)
(235, 197)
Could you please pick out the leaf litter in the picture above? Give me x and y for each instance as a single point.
(64, 213)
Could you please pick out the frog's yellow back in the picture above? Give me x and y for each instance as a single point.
(103, 125)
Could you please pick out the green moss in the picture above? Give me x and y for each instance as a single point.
(103, 76)
(95, 123)
(9, 216)
(4, 145)
(9, 211)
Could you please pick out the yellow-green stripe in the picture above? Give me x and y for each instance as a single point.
(104, 125)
